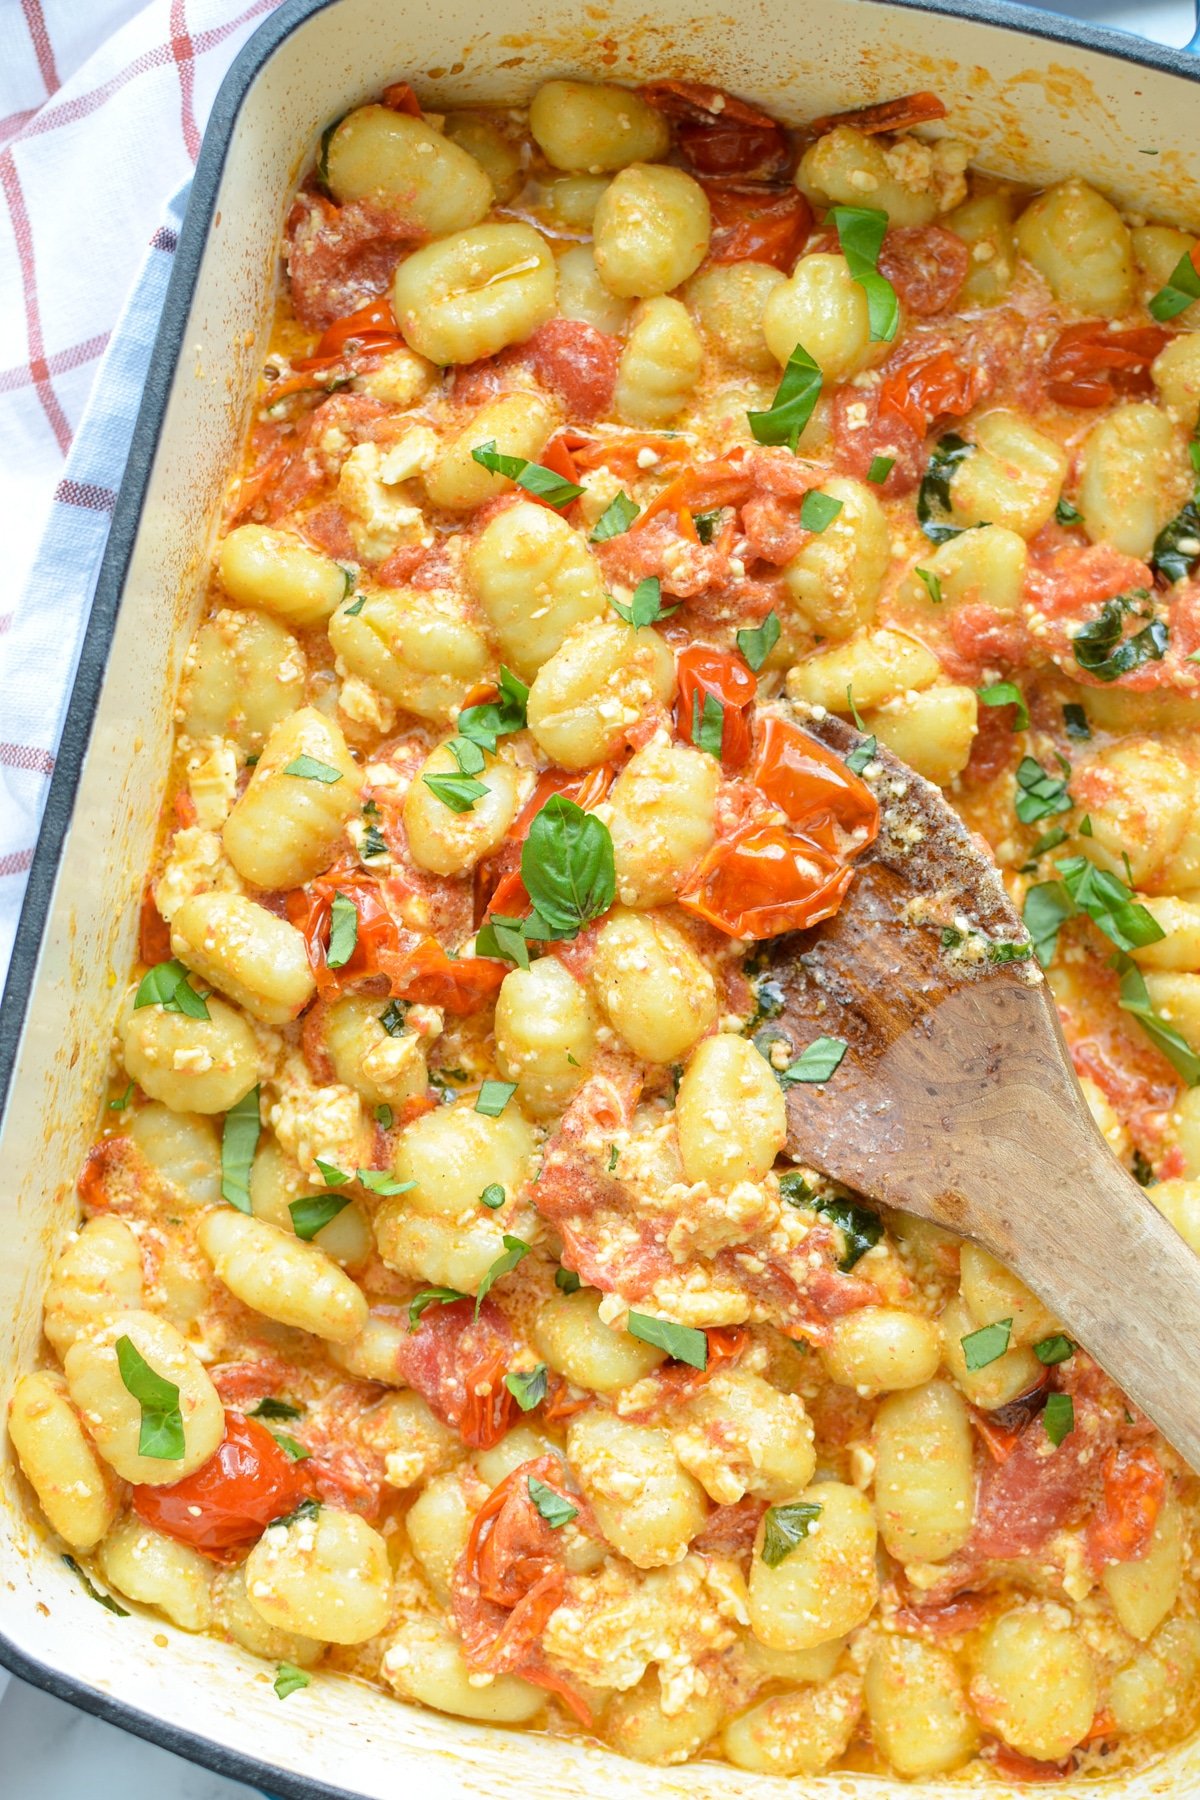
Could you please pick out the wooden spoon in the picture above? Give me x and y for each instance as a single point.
(956, 1099)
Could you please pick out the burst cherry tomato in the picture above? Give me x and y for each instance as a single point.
(1089, 365)
(727, 678)
(717, 133)
(766, 879)
(310, 910)
(232, 1498)
(811, 784)
(757, 223)
(932, 387)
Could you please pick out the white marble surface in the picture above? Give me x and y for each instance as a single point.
(63, 1754)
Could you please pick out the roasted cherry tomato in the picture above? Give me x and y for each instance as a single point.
(766, 879)
(1089, 365)
(811, 784)
(460, 984)
(926, 264)
(725, 676)
(229, 1501)
(1134, 1485)
(311, 908)
(718, 134)
(757, 223)
(929, 388)
(885, 115)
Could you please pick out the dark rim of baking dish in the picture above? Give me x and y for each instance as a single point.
(257, 51)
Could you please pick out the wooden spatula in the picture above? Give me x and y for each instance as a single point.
(956, 1099)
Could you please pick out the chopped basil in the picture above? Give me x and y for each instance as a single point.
(92, 1591)
(818, 510)
(553, 1508)
(756, 642)
(784, 1527)
(393, 1016)
(1066, 514)
(1007, 693)
(881, 467)
(931, 584)
(1075, 722)
(352, 612)
(514, 1249)
(987, 1345)
(1098, 646)
(1039, 794)
(795, 1189)
(289, 1680)
(554, 489)
(493, 1097)
(161, 1432)
(706, 524)
(1135, 999)
(1177, 547)
(1143, 1169)
(307, 768)
(792, 407)
(307, 1509)
(567, 1281)
(1048, 906)
(616, 518)
(269, 1408)
(861, 1229)
(343, 932)
(952, 937)
(645, 606)
(816, 1062)
(568, 868)
(1005, 950)
(1054, 1349)
(331, 1175)
(291, 1449)
(122, 1100)
(852, 709)
(614, 1156)
(498, 718)
(467, 754)
(373, 843)
(314, 1212)
(384, 1116)
(492, 1196)
(1059, 1418)
(527, 1386)
(1049, 840)
(504, 938)
(168, 984)
(239, 1141)
(934, 491)
(323, 153)
(708, 727)
(862, 754)
(1181, 290)
(458, 792)
(1110, 904)
(381, 1181)
(431, 1296)
(861, 231)
(683, 1342)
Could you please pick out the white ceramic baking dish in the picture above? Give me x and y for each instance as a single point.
(1036, 103)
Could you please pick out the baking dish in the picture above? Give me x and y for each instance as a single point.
(1033, 106)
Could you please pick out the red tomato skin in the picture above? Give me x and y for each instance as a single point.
(926, 264)
(718, 134)
(810, 783)
(702, 671)
(1089, 365)
(757, 223)
(230, 1500)
(578, 363)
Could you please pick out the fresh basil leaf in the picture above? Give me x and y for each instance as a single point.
(393, 1016)
(269, 1408)
(784, 1527)
(708, 727)
(1039, 794)
(568, 868)
(1007, 693)
(503, 938)
(706, 524)
(931, 584)
(1135, 999)
(1005, 950)
(645, 606)
(683, 1342)
(881, 467)
(1066, 514)
(92, 1591)
(314, 1212)
(553, 1508)
(289, 1680)
(1143, 1169)
(323, 153)
(861, 231)
(795, 1189)
(792, 408)
(514, 1249)
(756, 642)
(1099, 648)
(554, 489)
(987, 1345)
(161, 1432)
(1049, 840)
(567, 1281)
(352, 612)
(492, 1196)
(1054, 1349)
(493, 1097)
(384, 1116)
(239, 1141)
(291, 1449)
(1048, 906)
(467, 754)
(614, 1157)
(1180, 291)
(1176, 549)
(1110, 904)
(307, 768)
(934, 492)
(168, 984)
(330, 1174)
(498, 718)
(818, 510)
(458, 792)
(382, 1181)
(373, 844)
(307, 1509)
(816, 1062)
(343, 932)
(432, 1296)
(1075, 722)
(861, 1229)
(527, 1386)
(861, 755)
(1059, 1418)
(852, 708)
(616, 518)
(122, 1100)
